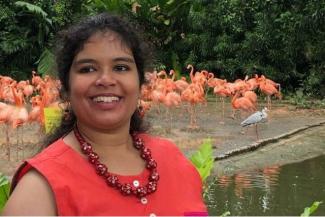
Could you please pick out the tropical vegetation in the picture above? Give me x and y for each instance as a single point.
(282, 39)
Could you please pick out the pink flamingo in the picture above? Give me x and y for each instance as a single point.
(222, 91)
(241, 103)
(269, 89)
(193, 94)
(19, 114)
(171, 99)
(5, 114)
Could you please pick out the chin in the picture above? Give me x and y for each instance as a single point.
(109, 124)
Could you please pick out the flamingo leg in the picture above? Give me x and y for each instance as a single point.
(23, 145)
(223, 109)
(17, 145)
(192, 116)
(7, 142)
(169, 117)
(269, 102)
(190, 112)
(217, 103)
(171, 121)
(233, 113)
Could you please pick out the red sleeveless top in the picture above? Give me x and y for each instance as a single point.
(78, 190)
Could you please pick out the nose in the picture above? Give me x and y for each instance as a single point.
(105, 78)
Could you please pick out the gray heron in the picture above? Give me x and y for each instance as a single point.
(255, 118)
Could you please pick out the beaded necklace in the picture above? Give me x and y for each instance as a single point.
(112, 180)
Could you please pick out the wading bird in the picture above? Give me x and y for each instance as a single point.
(255, 118)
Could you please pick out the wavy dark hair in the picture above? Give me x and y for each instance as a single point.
(71, 41)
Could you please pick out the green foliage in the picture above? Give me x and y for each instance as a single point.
(310, 210)
(306, 101)
(64, 12)
(24, 32)
(115, 6)
(34, 9)
(299, 99)
(227, 213)
(27, 29)
(4, 190)
(164, 23)
(282, 39)
(46, 63)
(203, 159)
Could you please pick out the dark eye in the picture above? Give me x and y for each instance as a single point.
(87, 69)
(121, 68)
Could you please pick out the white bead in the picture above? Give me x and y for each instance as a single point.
(136, 183)
(144, 200)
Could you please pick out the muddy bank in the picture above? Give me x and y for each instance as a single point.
(289, 135)
(304, 145)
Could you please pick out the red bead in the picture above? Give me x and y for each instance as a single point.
(154, 176)
(112, 180)
(118, 185)
(146, 153)
(152, 187)
(93, 157)
(101, 169)
(151, 164)
(138, 144)
(141, 192)
(86, 148)
(138, 140)
(126, 189)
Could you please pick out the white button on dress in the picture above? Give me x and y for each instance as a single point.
(144, 200)
(152, 215)
(136, 183)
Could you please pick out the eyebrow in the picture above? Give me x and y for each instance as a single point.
(81, 61)
(117, 59)
(124, 59)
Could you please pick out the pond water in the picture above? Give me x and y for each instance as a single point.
(274, 190)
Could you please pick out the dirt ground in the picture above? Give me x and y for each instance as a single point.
(226, 133)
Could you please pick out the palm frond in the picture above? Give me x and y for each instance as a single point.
(34, 9)
(46, 63)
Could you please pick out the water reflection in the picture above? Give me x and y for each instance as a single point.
(274, 190)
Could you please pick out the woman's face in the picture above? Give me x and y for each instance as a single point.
(104, 83)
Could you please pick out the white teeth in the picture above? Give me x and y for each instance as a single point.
(105, 99)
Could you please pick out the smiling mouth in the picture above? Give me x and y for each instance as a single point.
(106, 99)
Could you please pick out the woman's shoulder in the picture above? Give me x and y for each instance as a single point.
(54, 150)
(32, 191)
(48, 156)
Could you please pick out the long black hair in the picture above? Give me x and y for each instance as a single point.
(71, 41)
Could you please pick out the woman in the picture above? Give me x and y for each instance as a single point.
(101, 161)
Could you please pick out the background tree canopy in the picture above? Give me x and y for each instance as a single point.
(283, 39)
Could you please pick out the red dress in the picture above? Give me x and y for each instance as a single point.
(78, 190)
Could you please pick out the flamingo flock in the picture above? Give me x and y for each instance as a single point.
(163, 89)
(23, 102)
